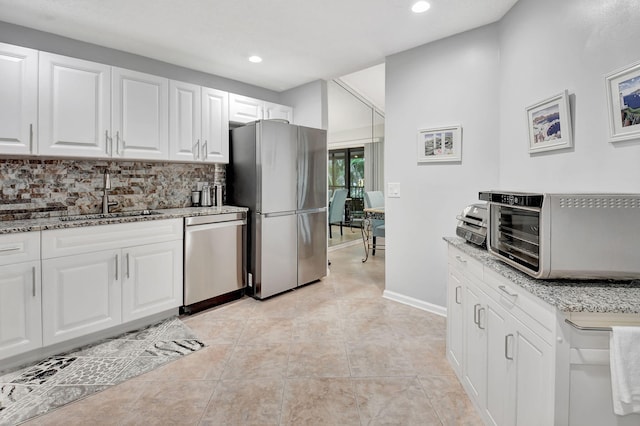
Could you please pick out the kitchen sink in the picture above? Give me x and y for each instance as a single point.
(109, 215)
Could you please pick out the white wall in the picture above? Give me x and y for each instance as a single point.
(452, 81)
(538, 49)
(309, 103)
(572, 48)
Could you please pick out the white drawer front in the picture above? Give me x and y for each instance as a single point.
(465, 263)
(72, 241)
(19, 247)
(531, 311)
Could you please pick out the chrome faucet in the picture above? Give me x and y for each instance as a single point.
(105, 197)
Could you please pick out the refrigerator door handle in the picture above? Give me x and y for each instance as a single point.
(287, 213)
(318, 210)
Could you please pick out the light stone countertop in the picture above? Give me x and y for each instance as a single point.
(14, 226)
(594, 296)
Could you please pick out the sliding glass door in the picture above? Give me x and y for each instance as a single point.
(346, 170)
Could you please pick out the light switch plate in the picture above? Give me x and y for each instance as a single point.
(393, 190)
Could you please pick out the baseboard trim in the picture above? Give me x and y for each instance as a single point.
(416, 303)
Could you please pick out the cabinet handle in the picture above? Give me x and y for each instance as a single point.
(117, 267)
(506, 347)
(33, 285)
(504, 290)
(460, 259)
(204, 150)
(458, 294)
(9, 249)
(118, 142)
(108, 143)
(480, 319)
(127, 265)
(31, 137)
(196, 150)
(476, 321)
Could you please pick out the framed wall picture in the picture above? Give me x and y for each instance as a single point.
(439, 144)
(623, 100)
(549, 124)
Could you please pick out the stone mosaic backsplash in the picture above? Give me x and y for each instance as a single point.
(33, 188)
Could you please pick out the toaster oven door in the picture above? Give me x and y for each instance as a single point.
(515, 235)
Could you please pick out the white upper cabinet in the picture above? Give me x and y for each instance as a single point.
(199, 123)
(87, 109)
(74, 107)
(19, 100)
(184, 121)
(282, 112)
(140, 113)
(243, 109)
(215, 126)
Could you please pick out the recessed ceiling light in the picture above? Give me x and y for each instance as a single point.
(255, 59)
(420, 6)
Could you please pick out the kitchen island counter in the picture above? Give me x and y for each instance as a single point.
(568, 296)
(61, 222)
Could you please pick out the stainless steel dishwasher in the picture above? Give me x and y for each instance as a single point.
(214, 259)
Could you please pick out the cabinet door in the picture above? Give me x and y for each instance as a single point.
(530, 392)
(80, 294)
(20, 314)
(215, 126)
(499, 363)
(184, 121)
(19, 101)
(152, 279)
(282, 112)
(455, 309)
(140, 115)
(475, 351)
(243, 109)
(74, 113)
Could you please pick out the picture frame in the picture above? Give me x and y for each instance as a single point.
(623, 101)
(549, 124)
(440, 144)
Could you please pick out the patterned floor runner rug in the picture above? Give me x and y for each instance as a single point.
(36, 389)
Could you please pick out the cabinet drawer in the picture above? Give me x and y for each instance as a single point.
(19, 247)
(73, 241)
(531, 311)
(465, 263)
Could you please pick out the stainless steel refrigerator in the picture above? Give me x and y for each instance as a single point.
(279, 171)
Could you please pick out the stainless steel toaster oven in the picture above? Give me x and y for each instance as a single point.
(583, 236)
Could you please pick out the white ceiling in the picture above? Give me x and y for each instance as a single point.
(299, 40)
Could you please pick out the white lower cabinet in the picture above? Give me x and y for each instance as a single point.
(101, 276)
(152, 279)
(507, 369)
(455, 320)
(82, 295)
(20, 315)
(475, 344)
(20, 293)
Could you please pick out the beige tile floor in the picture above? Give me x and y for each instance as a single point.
(331, 353)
